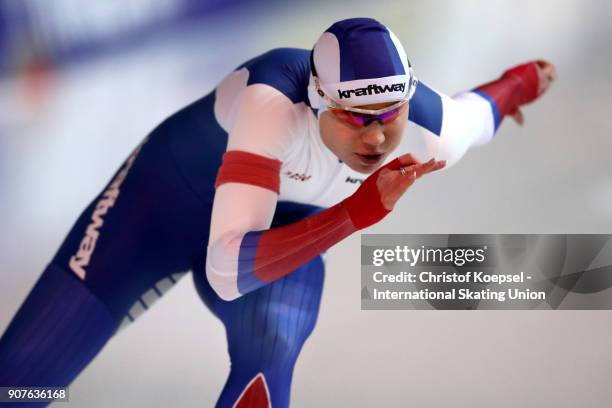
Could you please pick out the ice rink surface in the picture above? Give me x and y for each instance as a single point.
(60, 145)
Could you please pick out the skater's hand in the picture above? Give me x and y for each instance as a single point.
(547, 73)
(393, 183)
(377, 196)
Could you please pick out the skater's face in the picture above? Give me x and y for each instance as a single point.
(362, 144)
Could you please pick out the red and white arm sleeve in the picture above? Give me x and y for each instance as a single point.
(517, 86)
(471, 118)
(245, 255)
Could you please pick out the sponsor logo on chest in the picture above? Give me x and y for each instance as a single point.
(298, 176)
(351, 180)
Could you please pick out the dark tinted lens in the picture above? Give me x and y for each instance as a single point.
(349, 117)
(389, 116)
(363, 119)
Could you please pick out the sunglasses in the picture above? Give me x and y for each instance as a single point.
(364, 119)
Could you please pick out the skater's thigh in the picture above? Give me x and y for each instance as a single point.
(141, 233)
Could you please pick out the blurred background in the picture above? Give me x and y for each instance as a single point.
(82, 82)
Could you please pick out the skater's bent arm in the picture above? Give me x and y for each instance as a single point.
(245, 254)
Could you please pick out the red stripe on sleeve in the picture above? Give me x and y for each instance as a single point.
(281, 250)
(249, 168)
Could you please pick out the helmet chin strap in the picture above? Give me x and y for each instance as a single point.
(322, 107)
